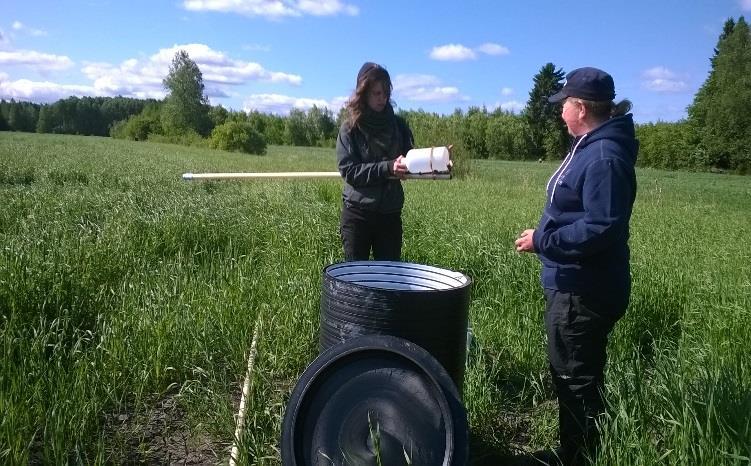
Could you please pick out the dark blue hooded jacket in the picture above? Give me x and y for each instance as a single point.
(582, 238)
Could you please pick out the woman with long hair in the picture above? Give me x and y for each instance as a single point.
(370, 152)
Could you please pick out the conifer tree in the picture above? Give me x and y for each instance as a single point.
(719, 112)
(697, 110)
(3, 124)
(45, 122)
(547, 131)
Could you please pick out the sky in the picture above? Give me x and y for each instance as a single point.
(274, 55)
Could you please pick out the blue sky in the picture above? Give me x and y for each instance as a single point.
(273, 55)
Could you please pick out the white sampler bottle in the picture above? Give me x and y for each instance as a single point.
(428, 160)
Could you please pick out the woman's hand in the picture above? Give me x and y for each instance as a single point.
(524, 243)
(398, 168)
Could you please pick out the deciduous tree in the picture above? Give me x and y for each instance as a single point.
(186, 108)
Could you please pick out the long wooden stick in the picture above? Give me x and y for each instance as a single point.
(241, 176)
(235, 452)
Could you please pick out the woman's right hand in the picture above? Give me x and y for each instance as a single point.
(525, 242)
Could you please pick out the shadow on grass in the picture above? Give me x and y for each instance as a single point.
(654, 315)
(485, 454)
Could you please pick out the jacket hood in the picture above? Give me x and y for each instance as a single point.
(619, 129)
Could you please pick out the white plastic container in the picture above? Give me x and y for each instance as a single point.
(428, 160)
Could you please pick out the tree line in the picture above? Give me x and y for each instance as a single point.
(716, 135)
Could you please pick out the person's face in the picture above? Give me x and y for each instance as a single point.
(377, 96)
(572, 115)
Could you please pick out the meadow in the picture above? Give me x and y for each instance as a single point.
(129, 298)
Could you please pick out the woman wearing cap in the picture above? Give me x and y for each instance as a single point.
(582, 242)
(369, 151)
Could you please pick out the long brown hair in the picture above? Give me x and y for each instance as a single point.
(369, 74)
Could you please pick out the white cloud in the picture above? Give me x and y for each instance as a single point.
(273, 8)
(129, 79)
(452, 52)
(267, 8)
(490, 48)
(512, 106)
(282, 104)
(425, 88)
(36, 60)
(216, 67)
(24, 89)
(665, 85)
(144, 78)
(658, 72)
(507, 91)
(745, 5)
(661, 79)
(338, 102)
(326, 7)
(139, 78)
(19, 26)
(459, 52)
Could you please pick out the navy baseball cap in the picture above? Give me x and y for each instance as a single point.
(588, 84)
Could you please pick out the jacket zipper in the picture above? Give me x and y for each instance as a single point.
(562, 169)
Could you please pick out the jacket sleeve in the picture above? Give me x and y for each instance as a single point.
(607, 199)
(352, 167)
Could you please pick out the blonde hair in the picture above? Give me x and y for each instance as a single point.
(602, 110)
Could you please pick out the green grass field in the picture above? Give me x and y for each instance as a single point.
(128, 300)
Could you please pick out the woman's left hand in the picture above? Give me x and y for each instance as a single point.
(399, 168)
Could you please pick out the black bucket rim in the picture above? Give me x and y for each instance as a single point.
(461, 279)
(447, 396)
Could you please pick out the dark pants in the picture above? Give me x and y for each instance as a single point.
(577, 329)
(363, 230)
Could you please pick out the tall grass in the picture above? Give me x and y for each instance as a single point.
(124, 290)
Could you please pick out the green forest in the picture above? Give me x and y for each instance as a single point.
(715, 136)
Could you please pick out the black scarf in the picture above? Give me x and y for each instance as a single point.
(380, 132)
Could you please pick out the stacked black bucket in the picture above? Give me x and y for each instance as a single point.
(386, 387)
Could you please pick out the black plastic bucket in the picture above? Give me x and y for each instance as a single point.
(426, 305)
(373, 400)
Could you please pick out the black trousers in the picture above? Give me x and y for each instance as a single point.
(363, 231)
(577, 328)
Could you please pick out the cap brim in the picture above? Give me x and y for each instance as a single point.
(557, 97)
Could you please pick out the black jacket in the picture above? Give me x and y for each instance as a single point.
(366, 180)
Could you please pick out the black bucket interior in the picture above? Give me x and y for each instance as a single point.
(423, 304)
